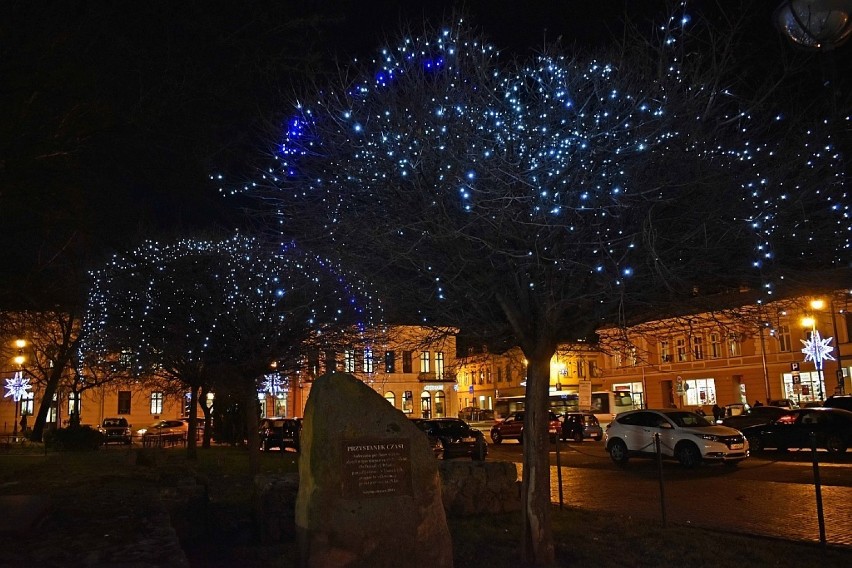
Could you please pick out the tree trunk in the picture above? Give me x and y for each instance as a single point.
(250, 402)
(191, 444)
(208, 417)
(44, 407)
(538, 545)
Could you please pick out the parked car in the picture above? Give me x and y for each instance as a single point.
(755, 416)
(787, 403)
(843, 401)
(685, 436)
(476, 414)
(512, 428)
(735, 409)
(163, 433)
(281, 433)
(116, 430)
(832, 428)
(578, 426)
(453, 437)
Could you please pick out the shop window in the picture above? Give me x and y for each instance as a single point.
(391, 398)
(408, 402)
(440, 404)
(700, 391)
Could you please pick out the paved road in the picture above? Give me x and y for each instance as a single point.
(771, 495)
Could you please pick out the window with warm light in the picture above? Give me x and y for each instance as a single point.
(439, 366)
(156, 406)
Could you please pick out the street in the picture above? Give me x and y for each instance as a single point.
(771, 494)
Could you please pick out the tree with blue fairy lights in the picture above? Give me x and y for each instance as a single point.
(530, 201)
(204, 315)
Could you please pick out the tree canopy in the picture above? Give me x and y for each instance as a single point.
(535, 199)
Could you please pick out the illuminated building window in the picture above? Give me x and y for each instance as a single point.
(439, 366)
(156, 402)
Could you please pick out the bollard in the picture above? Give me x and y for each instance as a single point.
(818, 487)
(658, 449)
(559, 471)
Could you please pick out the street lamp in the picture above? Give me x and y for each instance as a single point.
(17, 387)
(815, 24)
(816, 348)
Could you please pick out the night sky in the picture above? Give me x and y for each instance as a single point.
(114, 114)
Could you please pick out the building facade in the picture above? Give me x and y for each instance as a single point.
(413, 368)
(742, 354)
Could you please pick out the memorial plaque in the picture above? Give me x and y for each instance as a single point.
(376, 468)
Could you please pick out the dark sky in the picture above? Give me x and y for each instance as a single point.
(113, 114)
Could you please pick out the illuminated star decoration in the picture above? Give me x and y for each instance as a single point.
(17, 387)
(817, 349)
(273, 384)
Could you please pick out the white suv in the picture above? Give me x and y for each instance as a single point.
(684, 435)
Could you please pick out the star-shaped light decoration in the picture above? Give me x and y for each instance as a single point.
(273, 384)
(817, 349)
(17, 387)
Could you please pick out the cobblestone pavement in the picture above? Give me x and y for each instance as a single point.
(781, 510)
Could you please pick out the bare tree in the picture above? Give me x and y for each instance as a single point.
(532, 201)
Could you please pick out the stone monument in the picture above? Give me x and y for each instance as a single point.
(369, 490)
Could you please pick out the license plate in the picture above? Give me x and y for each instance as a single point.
(736, 446)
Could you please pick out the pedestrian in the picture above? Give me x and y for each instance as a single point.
(717, 412)
(757, 403)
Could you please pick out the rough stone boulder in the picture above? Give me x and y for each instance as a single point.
(369, 491)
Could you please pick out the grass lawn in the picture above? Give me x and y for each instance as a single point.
(583, 538)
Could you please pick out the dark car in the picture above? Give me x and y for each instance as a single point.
(755, 416)
(578, 426)
(281, 433)
(843, 401)
(116, 430)
(512, 428)
(453, 438)
(832, 428)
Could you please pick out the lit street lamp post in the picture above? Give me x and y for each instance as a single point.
(18, 386)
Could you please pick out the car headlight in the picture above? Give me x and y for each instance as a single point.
(142, 431)
(709, 437)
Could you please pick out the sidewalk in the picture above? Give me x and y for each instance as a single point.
(787, 511)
